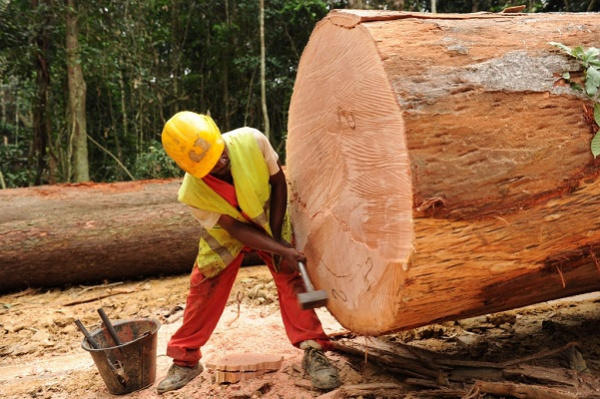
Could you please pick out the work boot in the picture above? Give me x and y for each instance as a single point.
(178, 376)
(323, 375)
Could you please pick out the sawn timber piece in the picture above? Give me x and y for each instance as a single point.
(243, 366)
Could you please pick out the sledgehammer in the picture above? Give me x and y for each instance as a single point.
(311, 298)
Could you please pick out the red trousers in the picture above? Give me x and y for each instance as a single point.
(207, 299)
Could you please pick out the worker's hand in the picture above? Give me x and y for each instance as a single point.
(278, 259)
(291, 257)
(277, 262)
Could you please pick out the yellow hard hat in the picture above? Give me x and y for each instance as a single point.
(193, 141)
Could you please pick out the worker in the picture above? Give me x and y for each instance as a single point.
(237, 190)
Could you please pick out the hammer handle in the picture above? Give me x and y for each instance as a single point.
(109, 327)
(88, 336)
(304, 274)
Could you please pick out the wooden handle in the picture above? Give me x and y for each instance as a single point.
(304, 274)
(109, 327)
(85, 332)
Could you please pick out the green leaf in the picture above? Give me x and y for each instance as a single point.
(591, 54)
(576, 86)
(592, 81)
(566, 75)
(561, 46)
(597, 113)
(578, 52)
(596, 145)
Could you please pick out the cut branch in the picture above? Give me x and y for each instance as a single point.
(523, 391)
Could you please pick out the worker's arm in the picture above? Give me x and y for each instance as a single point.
(252, 237)
(278, 203)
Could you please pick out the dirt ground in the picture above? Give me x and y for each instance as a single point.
(41, 354)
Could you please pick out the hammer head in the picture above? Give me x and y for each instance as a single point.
(312, 299)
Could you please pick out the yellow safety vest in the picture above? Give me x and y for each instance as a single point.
(250, 172)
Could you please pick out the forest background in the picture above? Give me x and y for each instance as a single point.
(86, 86)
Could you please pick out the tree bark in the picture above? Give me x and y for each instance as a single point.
(438, 168)
(77, 93)
(263, 78)
(41, 119)
(86, 233)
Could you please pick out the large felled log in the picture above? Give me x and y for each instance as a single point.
(439, 169)
(53, 235)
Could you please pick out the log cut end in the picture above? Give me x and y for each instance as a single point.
(350, 174)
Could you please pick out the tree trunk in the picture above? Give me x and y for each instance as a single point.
(41, 120)
(438, 169)
(54, 235)
(263, 78)
(3, 96)
(77, 92)
(124, 118)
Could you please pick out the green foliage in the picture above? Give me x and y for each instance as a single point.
(571, 5)
(590, 63)
(155, 164)
(14, 165)
(596, 140)
(144, 60)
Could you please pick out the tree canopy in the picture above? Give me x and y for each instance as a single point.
(143, 61)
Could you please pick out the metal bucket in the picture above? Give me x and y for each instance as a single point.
(132, 365)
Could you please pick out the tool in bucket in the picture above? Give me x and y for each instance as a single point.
(116, 368)
(118, 365)
(109, 327)
(124, 352)
(311, 298)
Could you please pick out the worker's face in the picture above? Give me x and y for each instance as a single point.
(223, 165)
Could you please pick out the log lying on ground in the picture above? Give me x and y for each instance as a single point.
(54, 235)
(438, 167)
